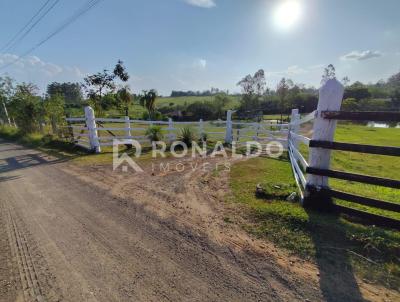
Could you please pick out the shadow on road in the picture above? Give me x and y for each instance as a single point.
(336, 276)
(25, 161)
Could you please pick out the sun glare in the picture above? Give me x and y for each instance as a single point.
(287, 14)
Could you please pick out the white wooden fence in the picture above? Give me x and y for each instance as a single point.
(312, 176)
(93, 133)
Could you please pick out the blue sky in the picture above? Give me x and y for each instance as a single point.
(199, 44)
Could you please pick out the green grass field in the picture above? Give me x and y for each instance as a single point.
(136, 111)
(323, 236)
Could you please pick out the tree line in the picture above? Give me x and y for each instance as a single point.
(21, 104)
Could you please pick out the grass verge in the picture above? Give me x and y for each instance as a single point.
(336, 244)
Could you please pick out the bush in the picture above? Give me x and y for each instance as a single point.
(157, 116)
(187, 136)
(154, 133)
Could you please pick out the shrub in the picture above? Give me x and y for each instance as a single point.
(187, 136)
(154, 133)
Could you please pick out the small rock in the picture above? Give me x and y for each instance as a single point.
(292, 196)
(277, 187)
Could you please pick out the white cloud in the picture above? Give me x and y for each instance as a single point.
(201, 3)
(200, 64)
(361, 55)
(33, 69)
(290, 71)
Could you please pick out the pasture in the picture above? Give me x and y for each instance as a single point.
(371, 251)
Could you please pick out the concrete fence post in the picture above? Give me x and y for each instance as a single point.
(330, 99)
(171, 136)
(228, 134)
(128, 130)
(92, 129)
(201, 129)
(294, 126)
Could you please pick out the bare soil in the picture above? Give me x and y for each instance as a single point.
(73, 232)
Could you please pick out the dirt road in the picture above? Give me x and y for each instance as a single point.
(73, 233)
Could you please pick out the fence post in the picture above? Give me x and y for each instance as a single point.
(330, 99)
(170, 130)
(128, 131)
(228, 134)
(201, 129)
(92, 129)
(294, 126)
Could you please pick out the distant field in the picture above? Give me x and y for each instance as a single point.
(165, 101)
(136, 111)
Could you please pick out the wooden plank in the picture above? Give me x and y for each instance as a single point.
(372, 202)
(297, 169)
(384, 182)
(305, 140)
(370, 149)
(308, 118)
(369, 217)
(381, 116)
(298, 155)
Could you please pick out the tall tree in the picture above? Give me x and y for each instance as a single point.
(124, 98)
(148, 101)
(101, 83)
(97, 85)
(71, 92)
(282, 91)
(25, 106)
(6, 91)
(329, 73)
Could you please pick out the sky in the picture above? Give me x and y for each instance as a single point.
(199, 44)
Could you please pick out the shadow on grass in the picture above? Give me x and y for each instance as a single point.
(336, 276)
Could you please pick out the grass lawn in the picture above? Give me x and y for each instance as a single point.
(335, 243)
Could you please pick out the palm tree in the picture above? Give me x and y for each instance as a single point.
(125, 98)
(148, 101)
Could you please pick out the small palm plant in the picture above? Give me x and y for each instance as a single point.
(154, 133)
(187, 136)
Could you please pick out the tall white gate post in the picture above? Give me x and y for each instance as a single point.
(295, 126)
(128, 131)
(330, 99)
(92, 129)
(228, 134)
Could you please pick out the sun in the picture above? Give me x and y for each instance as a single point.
(287, 14)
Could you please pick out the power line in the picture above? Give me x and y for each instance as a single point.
(25, 26)
(84, 9)
(13, 42)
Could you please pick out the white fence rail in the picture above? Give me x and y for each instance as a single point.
(93, 133)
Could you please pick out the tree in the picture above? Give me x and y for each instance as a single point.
(253, 87)
(120, 71)
(253, 84)
(329, 73)
(282, 91)
(97, 85)
(394, 81)
(124, 98)
(148, 101)
(6, 91)
(395, 98)
(101, 83)
(71, 92)
(54, 111)
(25, 106)
(345, 81)
(357, 91)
